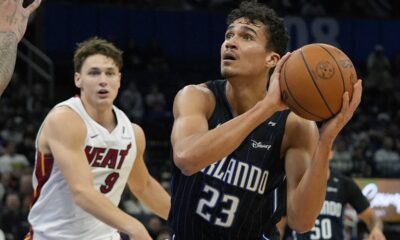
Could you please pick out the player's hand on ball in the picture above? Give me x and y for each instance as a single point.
(331, 128)
(274, 92)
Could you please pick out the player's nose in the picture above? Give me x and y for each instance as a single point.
(231, 43)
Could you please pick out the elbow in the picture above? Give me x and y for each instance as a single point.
(185, 163)
(79, 195)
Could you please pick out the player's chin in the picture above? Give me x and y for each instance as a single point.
(105, 100)
(227, 72)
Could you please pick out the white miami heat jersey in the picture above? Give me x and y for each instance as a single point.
(54, 215)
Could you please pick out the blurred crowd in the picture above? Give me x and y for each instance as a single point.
(355, 8)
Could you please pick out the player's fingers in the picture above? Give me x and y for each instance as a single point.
(345, 102)
(32, 7)
(281, 61)
(357, 94)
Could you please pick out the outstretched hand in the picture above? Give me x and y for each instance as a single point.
(14, 17)
(332, 127)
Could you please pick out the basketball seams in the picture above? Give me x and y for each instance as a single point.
(292, 96)
(314, 81)
(337, 64)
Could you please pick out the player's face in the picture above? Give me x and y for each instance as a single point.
(98, 80)
(244, 50)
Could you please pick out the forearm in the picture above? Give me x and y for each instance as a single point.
(305, 204)
(371, 220)
(193, 153)
(103, 209)
(154, 197)
(8, 55)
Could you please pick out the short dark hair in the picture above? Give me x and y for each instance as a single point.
(275, 28)
(95, 46)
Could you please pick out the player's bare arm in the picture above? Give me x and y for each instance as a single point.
(307, 183)
(374, 224)
(194, 145)
(13, 22)
(143, 185)
(66, 143)
(305, 194)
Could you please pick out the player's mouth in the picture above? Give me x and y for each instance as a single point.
(228, 57)
(103, 93)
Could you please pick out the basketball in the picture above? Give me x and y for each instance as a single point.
(313, 81)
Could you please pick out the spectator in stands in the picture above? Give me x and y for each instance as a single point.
(11, 160)
(133, 57)
(131, 102)
(378, 70)
(14, 220)
(155, 103)
(342, 160)
(387, 161)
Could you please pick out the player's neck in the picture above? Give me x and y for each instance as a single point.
(103, 115)
(244, 95)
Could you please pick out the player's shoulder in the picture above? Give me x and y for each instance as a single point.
(195, 89)
(64, 117)
(138, 130)
(62, 112)
(195, 94)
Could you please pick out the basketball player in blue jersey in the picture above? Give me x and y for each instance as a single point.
(87, 152)
(234, 141)
(329, 224)
(13, 22)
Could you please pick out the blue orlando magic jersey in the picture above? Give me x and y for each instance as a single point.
(236, 197)
(329, 224)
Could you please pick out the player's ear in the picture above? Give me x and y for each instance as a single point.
(77, 79)
(271, 59)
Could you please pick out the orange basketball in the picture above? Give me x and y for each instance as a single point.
(314, 79)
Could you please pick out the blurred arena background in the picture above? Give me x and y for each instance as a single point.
(169, 44)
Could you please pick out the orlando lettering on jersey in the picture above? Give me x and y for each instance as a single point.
(239, 174)
(106, 157)
(331, 208)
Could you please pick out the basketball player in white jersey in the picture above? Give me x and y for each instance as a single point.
(13, 22)
(87, 151)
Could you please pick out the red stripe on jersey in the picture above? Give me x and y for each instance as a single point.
(44, 165)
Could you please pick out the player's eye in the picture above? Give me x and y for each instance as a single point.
(228, 35)
(93, 73)
(248, 37)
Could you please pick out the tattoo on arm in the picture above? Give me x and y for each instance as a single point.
(8, 55)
